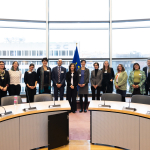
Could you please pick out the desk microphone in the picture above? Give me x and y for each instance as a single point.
(129, 108)
(6, 113)
(30, 108)
(104, 102)
(58, 105)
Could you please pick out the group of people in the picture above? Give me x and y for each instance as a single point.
(101, 80)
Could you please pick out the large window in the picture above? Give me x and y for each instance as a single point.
(33, 29)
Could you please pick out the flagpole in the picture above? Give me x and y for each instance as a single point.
(77, 91)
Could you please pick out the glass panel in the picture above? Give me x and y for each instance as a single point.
(73, 10)
(23, 9)
(130, 9)
(21, 42)
(128, 65)
(91, 43)
(131, 43)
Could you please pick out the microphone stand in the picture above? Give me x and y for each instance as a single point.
(129, 108)
(6, 113)
(58, 105)
(30, 108)
(104, 101)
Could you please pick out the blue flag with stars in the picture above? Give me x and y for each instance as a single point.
(76, 59)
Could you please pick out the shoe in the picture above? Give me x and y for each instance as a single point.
(85, 110)
(81, 111)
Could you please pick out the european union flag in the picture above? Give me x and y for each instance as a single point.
(76, 59)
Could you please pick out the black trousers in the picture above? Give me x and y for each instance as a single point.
(85, 102)
(60, 90)
(122, 93)
(146, 89)
(93, 92)
(2, 94)
(46, 90)
(14, 89)
(71, 96)
(136, 91)
(30, 94)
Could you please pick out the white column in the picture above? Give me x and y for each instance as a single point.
(47, 28)
(110, 32)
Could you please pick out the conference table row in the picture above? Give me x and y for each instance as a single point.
(113, 126)
(118, 126)
(29, 130)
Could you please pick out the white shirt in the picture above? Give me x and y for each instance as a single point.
(15, 77)
(117, 77)
(71, 78)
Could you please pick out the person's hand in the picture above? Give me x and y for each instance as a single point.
(137, 86)
(1, 87)
(133, 86)
(79, 85)
(83, 85)
(94, 86)
(59, 85)
(72, 87)
(5, 88)
(111, 80)
(117, 86)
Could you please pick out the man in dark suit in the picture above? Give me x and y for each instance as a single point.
(58, 77)
(147, 70)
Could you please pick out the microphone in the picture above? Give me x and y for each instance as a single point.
(129, 108)
(6, 113)
(30, 108)
(58, 105)
(104, 102)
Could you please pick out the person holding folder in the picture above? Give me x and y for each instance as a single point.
(58, 78)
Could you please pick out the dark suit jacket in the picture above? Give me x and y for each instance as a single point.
(6, 80)
(148, 81)
(145, 70)
(62, 76)
(75, 79)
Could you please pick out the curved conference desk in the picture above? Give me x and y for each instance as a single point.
(27, 130)
(116, 126)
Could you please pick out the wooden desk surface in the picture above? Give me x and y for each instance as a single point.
(118, 107)
(41, 107)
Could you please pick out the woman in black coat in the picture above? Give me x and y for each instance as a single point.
(30, 79)
(72, 82)
(108, 77)
(4, 80)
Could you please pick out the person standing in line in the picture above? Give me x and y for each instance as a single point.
(58, 77)
(136, 80)
(120, 81)
(72, 82)
(96, 80)
(4, 80)
(15, 77)
(147, 71)
(83, 73)
(44, 77)
(108, 77)
(30, 79)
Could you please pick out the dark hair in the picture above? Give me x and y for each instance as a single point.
(14, 62)
(134, 65)
(83, 60)
(123, 69)
(12, 68)
(45, 58)
(148, 59)
(109, 70)
(96, 64)
(71, 65)
(31, 65)
(4, 64)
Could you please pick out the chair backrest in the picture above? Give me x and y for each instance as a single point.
(42, 97)
(9, 100)
(111, 97)
(143, 99)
